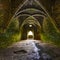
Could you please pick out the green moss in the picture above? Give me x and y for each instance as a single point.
(11, 35)
(50, 33)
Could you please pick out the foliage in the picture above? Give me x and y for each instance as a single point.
(11, 35)
(50, 33)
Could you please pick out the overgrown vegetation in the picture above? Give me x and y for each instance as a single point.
(50, 33)
(11, 35)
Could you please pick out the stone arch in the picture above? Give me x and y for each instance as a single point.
(36, 27)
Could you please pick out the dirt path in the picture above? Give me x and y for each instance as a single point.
(30, 50)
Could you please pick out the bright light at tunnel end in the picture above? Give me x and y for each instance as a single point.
(30, 35)
(30, 25)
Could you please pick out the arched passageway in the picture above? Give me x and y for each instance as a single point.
(32, 25)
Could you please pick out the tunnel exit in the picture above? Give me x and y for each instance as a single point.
(30, 35)
(30, 31)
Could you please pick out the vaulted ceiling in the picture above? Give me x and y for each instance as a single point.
(10, 8)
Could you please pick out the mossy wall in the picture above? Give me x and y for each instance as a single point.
(50, 32)
(11, 35)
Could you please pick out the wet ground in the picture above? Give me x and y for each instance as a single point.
(30, 50)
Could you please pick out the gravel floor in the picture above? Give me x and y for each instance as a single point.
(30, 50)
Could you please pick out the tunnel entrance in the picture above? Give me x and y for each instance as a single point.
(30, 32)
(30, 29)
(30, 15)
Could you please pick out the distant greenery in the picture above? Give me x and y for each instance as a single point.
(50, 33)
(11, 35)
